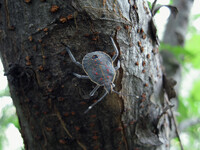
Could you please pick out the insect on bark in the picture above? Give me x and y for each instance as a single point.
(99, 69)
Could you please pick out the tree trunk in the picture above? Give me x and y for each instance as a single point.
(50, 101)
(177, 27)
(175, 34)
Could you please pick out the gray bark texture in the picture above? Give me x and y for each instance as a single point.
(50, 101)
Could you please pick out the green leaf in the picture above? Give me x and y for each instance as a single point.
(188, 54)
(192, 45)
(197, 16)
(171, 2)
(149, 4)
(181, 54)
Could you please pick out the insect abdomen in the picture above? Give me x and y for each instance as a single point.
(99, 67)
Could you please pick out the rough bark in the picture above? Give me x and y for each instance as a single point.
(50, 101)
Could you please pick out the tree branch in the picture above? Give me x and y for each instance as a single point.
(188, 123)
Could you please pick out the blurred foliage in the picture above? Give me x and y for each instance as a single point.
(171, 2)
(5, 92)
(192, 45)
(149, 4)
(190, 103)
(188, 109)
(188, 54)
(188, 106)
(7, 116)
(193, 137)
(197, 16)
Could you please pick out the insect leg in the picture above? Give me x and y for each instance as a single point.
(81, 76)
(116, 50)
(118, 65)
(90, 107)
(113, 85)
(72, 57)
(94, 90)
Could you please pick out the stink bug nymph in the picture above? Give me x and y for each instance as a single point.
(99, 69)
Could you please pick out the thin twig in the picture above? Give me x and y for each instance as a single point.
(175, 124)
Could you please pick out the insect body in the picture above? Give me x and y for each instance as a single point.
(99, 69)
